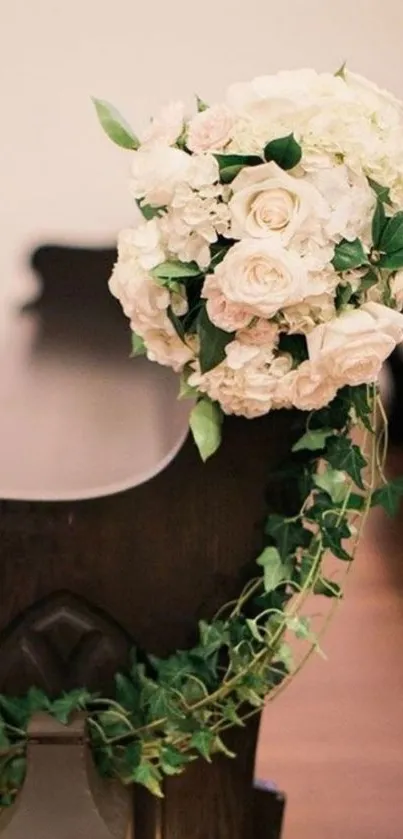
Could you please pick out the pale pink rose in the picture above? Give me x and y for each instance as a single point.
(303, 317)
(239, 354)
(165, 347)
(156, 172)
(141, 298)
(260, 333)
(210, 130)
(309, 387)
(353, 346)
(167, 126)
(222, 312)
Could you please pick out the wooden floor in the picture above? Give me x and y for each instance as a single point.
(333, 741)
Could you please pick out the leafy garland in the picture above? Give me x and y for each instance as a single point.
(166, 712)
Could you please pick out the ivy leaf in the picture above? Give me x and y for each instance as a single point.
(16, 771)
(288, 535)
(148, 775)
(126, 693)
(186, 391)
(219, 747)
(115, 126)
(362, 405)
(344, 294)
(349, 255)
(333, 482)
(214, 635)
(229, 712)
(162, 704)
(313, 440)
(328, 588)
(274, 570)
(391, 240)
(176, 270)
(138, 346)
(37, 701)
(381, 192)
(172, 760)
(202, 741)
(212, 342)
(332, 537)
(65, 705)
(356, 502)
(284, 654)
(389, 496)
(301, 627)
(378, 223)
(231, 164)
(285, 151)
(205, 424)
(342, 454)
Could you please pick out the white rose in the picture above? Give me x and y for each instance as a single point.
(303, 317)
(156, 171)
(210, 130)
(269, 202)
(261, 276)
(143, 243)
(349, 199)
(353, 346)
(202, 171)
(167, 126)
(141, 298)
(308, 388)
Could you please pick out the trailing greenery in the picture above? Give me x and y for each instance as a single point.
(167, 712)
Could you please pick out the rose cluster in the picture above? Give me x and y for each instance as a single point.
(267, 269)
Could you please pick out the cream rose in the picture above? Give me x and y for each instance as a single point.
(210, 130)
(261, 276)
(309, 388)
(156, 171)
(167, 126)
(222, 312)
(165, 347)
(269, 202)
(353, 347)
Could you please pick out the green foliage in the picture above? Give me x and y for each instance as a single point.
(389, 496)
(201, 105)
(349, 255)
(205, 424)
(176, 270)
(381, 192)
(391, 239)
(138, 345)
(115, 126)
(167, 712)
(212, 342)
(378, 223)
(149, 212)
(230, 165)
(285, 151)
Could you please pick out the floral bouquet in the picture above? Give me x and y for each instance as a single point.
(267, 269)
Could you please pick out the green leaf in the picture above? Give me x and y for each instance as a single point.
(342, 454)
(149, 212)
(313, 440)
(389, 496)
(362, 405)
(201, 105)
(176, 270)
(148, 775)
(65, 705)
(177, 324)
(126, 693)
(378, 223)
(274, 569)
(212, 342)
(229, 712)
(344, 294)
(334, 483)
(172, 760)
(356, 502)
(16, 771)
(391, 262)
(37, 700)
(301, 626)
(219, 747)
(231, 164)
(288, 535)
(205, 423)
(349, 255)
(381, 192)
(295, 345)
(370, 279)
(341, 72)
(185, 390)
(285, 151)
(115, 126)
(391, 240)
(284, 654)
(328, 588)
(202, 741)
(138, 346)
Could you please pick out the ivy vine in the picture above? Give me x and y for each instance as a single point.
(167, 712)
